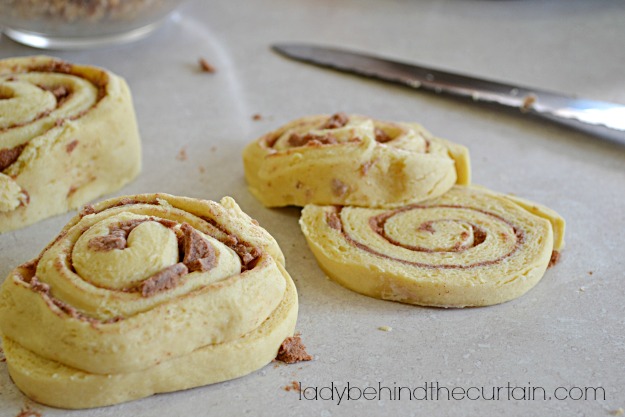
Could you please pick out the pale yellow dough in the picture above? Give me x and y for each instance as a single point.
(409, 165)
(468, 247)
(86, 336)
(73, 146)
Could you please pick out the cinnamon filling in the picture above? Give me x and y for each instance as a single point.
(381, 136)
(60, 92)
(377, 225)
(63, 67)
(117, 237)
(198, 253)
(71, 146)
(333, 220)
(336, 121)
(249, 255)
(297, 140)
(163, 280)
(426, 227)
(10, 155)
(44, 289)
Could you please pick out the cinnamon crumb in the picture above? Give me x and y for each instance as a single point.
(293, 386)
(28, 412)
(182, 154)
(86, 210)
(589, 272)
(201, 169)
(71, 146)
(213, 148)
(205, 66)
(528, 102)
(292, 350)
(381, 136)
(257, 117)
(555, 257)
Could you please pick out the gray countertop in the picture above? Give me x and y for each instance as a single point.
(566, 332)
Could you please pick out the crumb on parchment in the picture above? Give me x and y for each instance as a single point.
(182, 154)
(293, 386)
(205, 66)
(26, 411)
(292, 350)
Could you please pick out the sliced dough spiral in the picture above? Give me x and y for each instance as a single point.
(146, 294)
(352, 160)
(469, 247)
(67, 135)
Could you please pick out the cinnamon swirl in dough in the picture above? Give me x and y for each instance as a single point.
(352, 160)
(67, 135)
(146, 294)
(468, 247)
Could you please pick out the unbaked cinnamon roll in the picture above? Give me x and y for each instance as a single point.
(468, 247)
(352, 160)
(67, 135)
(145, 294)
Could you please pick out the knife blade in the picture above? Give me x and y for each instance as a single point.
(599, 118)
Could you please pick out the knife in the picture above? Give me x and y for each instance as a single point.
(599, 118)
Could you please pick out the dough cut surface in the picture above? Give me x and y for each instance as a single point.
(468, 247)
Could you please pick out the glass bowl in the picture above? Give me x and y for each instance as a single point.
(80, 24)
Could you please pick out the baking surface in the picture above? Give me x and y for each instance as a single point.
(566, 332)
